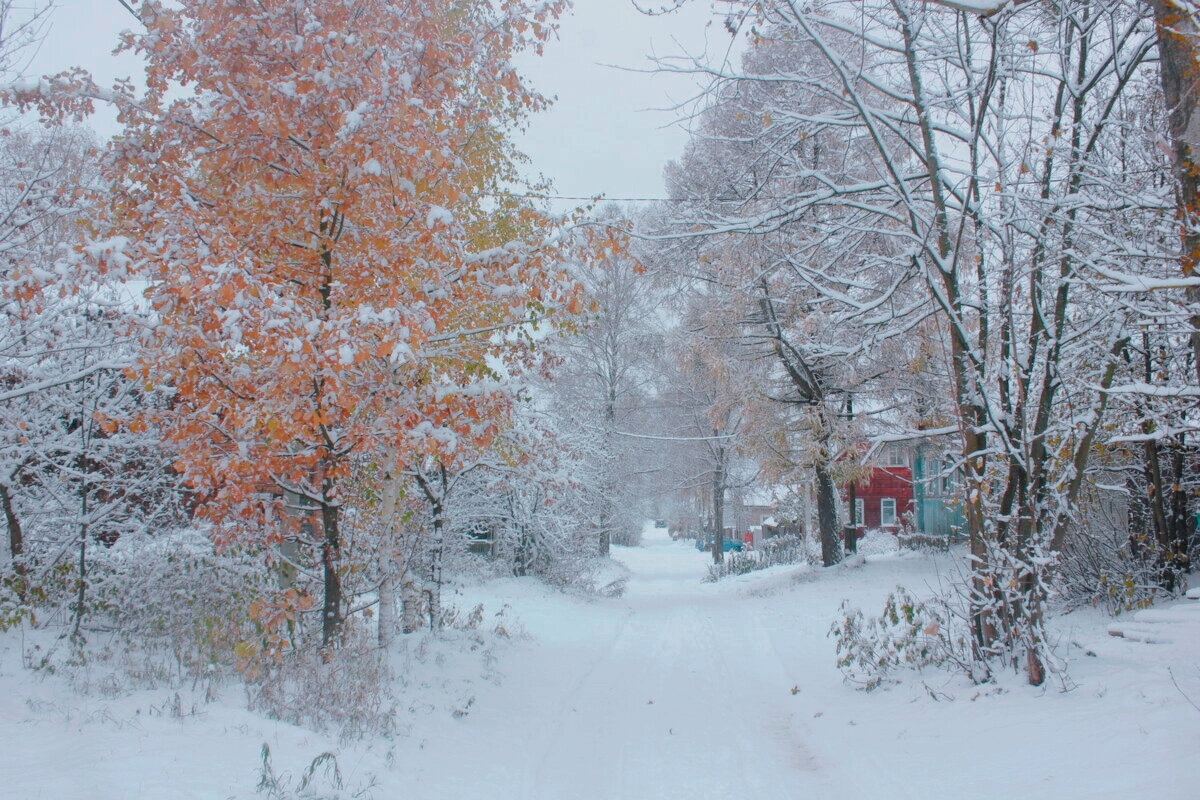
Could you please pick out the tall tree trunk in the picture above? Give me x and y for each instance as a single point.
(968, 366)
(389, 552)
(1166, 501)
(523, 558)
(387, 605)
(1179, 69)
(852, 525)
(810, 390)
(827, 515)
(331, 543)
(851, 535)
(718, 486)
(435, 492)
(604, 539)
(1178, 529)
(81, 585)
(436, 552)
(410, 603)
(608, 487)
(331, 612)
(16, 540)
(1155, 495)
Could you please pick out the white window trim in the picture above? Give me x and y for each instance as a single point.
(883, 520)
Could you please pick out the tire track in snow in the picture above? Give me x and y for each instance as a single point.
(684, 701)
(676, 690)
(568, 704)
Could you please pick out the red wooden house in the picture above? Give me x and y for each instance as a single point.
(885, 496)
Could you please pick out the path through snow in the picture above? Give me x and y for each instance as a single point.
(684, 689)
(674, 692)
(678, 689)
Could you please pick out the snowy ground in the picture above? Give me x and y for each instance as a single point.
(677, 689)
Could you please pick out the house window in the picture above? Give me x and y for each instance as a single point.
(897, 458)
(931, 468)
(887, 511)
(948, 480)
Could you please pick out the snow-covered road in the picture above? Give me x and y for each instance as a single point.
(677, 692)
(678, 689)
(684, 689)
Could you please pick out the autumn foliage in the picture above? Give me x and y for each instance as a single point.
(312, 192)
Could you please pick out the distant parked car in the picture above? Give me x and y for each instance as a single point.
(728, 545)
(660, 523)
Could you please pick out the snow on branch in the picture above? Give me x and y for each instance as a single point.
(1131, 283)
(67, 95)
(912, 436)
(63, 380)
(1150, 390)
(981, 7)
(877, 442)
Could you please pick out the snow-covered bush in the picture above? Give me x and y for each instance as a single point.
(79, 468)
(348, 691)
(173, 609)
(526, 509)
(925, 542)
(773, 552)
(878, 543)
(1102, 568)
(908, 633)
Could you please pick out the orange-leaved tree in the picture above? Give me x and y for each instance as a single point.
(306, 186)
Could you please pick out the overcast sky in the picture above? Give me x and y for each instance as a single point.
(603, 135)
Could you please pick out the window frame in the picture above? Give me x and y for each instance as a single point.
(883, 503)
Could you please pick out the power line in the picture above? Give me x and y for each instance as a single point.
(605, 199)
(593, 199)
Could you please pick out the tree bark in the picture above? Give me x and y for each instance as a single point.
(331, 612)
(827, 516)
(967, 365)
(1166, 503)
(1179, 71)
(608, 510)
(387, 605)
(16, 540)
(1178, 26)
(435, 568)
(718, 542)
(523, 559)
(1176, 552)
(410, 605)
(81, 586)
(851, 529)
(810, 390)
(389, 552)
(436, 495)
